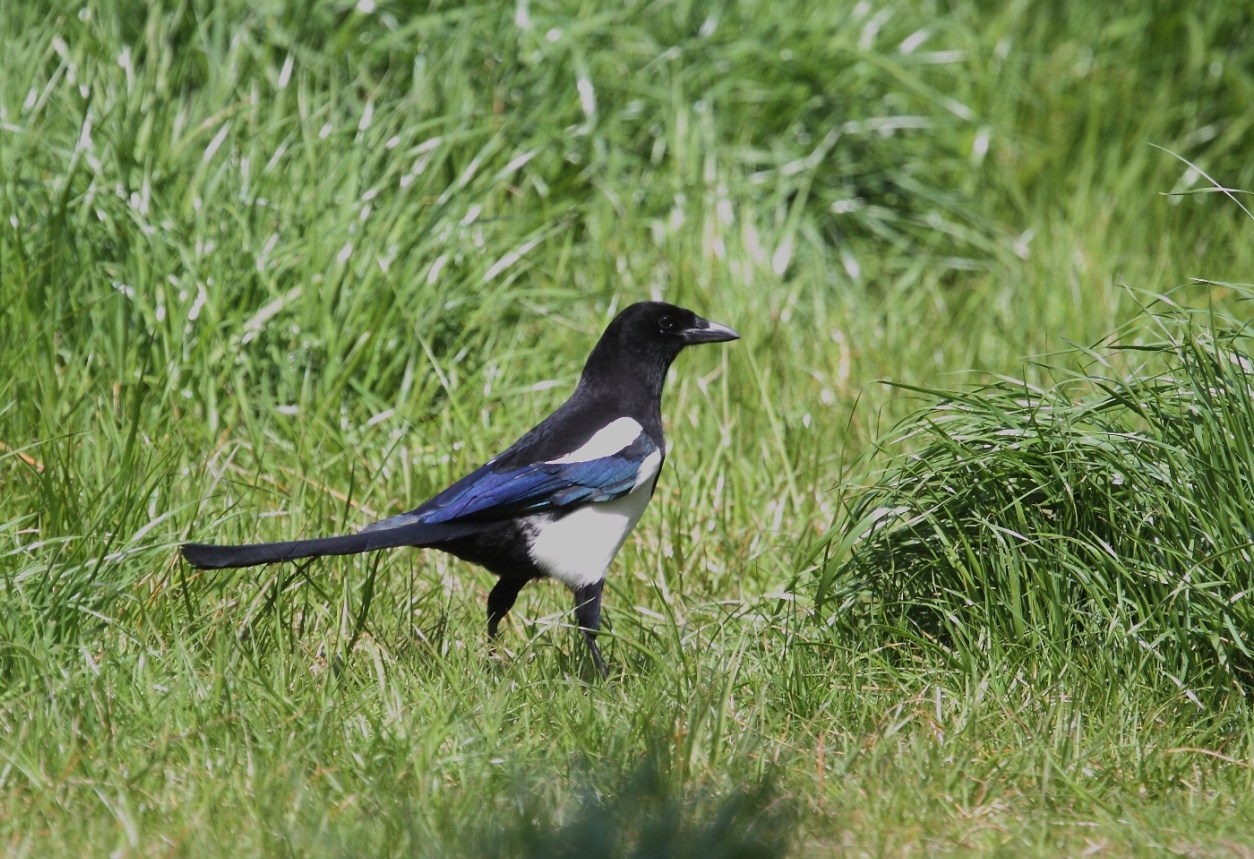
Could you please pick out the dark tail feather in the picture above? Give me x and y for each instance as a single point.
(209, 557)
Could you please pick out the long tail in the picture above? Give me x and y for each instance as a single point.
(209, 557)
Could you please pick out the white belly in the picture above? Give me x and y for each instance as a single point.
(577, 548)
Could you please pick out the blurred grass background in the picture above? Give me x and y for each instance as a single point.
(273, 269)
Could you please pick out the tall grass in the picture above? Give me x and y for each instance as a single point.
(273, 269)
(1104, 519)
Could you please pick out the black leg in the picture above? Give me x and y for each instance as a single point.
(588, 615)
(501, 600)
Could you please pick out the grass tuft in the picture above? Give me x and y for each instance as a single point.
(1105, 518)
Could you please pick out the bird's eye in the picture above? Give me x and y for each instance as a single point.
(666, 323)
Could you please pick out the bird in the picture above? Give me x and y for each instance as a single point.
(560, 501)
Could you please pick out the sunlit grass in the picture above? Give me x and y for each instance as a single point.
(278, 269)
(1104, 519)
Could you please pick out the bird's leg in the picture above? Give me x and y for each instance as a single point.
(501, 600)
(588, 615)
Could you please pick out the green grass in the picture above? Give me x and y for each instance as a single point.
(276, 269)
(1102, 519)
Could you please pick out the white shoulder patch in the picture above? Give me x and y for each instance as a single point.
(606, 442)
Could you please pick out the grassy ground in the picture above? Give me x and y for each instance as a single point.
(276, 269)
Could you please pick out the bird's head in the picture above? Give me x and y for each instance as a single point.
(645, 338)
(666, 327)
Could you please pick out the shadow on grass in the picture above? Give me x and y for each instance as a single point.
(647, 814)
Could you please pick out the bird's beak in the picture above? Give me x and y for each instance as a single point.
(705, 331)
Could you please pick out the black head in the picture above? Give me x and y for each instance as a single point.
(644, 339)
(666, 327)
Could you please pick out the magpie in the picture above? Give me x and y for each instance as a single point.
(560, 501)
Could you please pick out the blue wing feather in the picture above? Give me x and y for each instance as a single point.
(490, 493)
